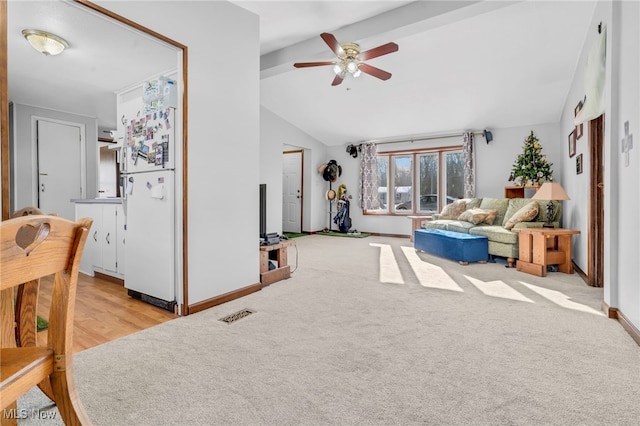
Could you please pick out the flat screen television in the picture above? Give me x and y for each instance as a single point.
(263, 210)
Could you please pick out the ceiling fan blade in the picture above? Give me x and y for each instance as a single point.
(338, 79)
(333, 44)
(378, 51)
(312, 64)
(376, 72)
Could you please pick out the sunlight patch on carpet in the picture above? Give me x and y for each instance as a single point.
(561, 299)
(389, 269)
(429, 275)
(498, 289)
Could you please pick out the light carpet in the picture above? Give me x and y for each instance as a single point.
(369, 332)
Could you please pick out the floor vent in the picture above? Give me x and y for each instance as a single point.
(238, 315)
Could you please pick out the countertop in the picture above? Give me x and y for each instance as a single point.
(109, 200)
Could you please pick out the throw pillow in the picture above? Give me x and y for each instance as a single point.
(474, 216)
(526, 213)
(453, 210)
(491, 217)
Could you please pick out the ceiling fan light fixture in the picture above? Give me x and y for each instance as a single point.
(351, 60)
(45, 42)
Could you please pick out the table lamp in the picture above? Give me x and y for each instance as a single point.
(551, 191)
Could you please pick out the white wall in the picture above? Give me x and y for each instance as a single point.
(494, 160)
(577, 185)
(622, 196)
(276, 136)
(626, 86)
(223, 136)
(24, 155)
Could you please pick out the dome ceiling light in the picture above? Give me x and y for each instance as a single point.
(45, 42)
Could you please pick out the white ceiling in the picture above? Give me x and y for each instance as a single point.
(103, 57)
(461, 65)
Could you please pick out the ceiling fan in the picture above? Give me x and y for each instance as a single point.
(351, 59)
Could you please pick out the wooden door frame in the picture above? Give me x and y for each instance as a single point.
(4, 123)
(301, 151)
(595, 242)
(4, 111)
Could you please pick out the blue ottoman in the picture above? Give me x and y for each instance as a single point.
(458, 246)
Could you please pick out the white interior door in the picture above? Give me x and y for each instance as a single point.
(59, 167)
(292, 192)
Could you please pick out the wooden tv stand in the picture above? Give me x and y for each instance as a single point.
(283, 271)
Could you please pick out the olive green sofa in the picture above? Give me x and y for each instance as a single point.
(503, 242)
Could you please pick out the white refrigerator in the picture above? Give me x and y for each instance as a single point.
(149, 202)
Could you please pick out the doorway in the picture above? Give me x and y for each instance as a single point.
(595, 267)
(179, 51)
(60, 166)
(292, 191)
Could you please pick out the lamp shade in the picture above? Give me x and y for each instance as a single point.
(44, 42)
(551, 191)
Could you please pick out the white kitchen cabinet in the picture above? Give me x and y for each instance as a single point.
(105, 246)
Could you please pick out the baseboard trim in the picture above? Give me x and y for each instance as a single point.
(223, 298)
(379, 234)
(580, 273)
(614, 313)
(109, 278)
(376, 234)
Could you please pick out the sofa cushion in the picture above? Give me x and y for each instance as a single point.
(473, 203)
(499, 204)
(526, 213)
(459, 226)
(476, 216)
(436, 224)
(453, 210)
(496, 234)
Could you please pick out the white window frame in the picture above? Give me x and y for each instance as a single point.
(441, 152)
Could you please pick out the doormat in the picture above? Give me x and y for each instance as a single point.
(43, 324)
(344, 234)
(291, 235)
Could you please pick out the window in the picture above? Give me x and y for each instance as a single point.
(434, 177)
(454, 176)
(401, 181)
(428, 182)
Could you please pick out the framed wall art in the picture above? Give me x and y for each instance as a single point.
(572, 143)
(579, 164)
(578, 128)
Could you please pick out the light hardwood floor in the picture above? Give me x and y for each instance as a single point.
(104, 312)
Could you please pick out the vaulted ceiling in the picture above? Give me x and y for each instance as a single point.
(460, 66)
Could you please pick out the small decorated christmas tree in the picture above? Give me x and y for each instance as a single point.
(531, 167)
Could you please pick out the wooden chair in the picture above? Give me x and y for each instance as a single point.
(53, 247)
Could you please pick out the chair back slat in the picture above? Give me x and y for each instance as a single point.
(35, 246)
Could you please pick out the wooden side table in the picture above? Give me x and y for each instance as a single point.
(283, 271)
(416, 223)
(518, 191)
(540, 247)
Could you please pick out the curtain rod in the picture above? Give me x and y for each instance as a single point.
(427, 138)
